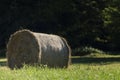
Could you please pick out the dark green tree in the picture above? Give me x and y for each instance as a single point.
(82, 22)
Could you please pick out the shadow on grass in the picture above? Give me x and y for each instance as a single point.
(89, 60)
(83, 60)
(2, 63)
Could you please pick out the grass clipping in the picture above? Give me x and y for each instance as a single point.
(27, 47)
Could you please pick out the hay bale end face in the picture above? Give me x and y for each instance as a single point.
(27, 47)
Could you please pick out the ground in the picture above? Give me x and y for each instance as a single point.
(82, 68)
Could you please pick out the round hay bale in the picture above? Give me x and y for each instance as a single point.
(27, 47)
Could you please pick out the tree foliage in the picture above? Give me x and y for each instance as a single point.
(83, 22)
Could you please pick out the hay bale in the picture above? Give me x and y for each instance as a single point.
(27, 47)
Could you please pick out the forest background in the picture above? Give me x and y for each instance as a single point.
(91, 23)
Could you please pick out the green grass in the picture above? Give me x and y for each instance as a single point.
(83, 68)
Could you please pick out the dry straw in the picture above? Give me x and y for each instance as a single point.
(27, 47)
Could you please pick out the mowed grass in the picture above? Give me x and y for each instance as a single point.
(81, 69)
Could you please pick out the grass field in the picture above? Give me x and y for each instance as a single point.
(82, 68)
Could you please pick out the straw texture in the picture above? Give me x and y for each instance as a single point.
(27, 47)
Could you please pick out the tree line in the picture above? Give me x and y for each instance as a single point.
(82, 22)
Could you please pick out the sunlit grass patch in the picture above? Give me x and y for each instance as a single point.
(82, 68)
